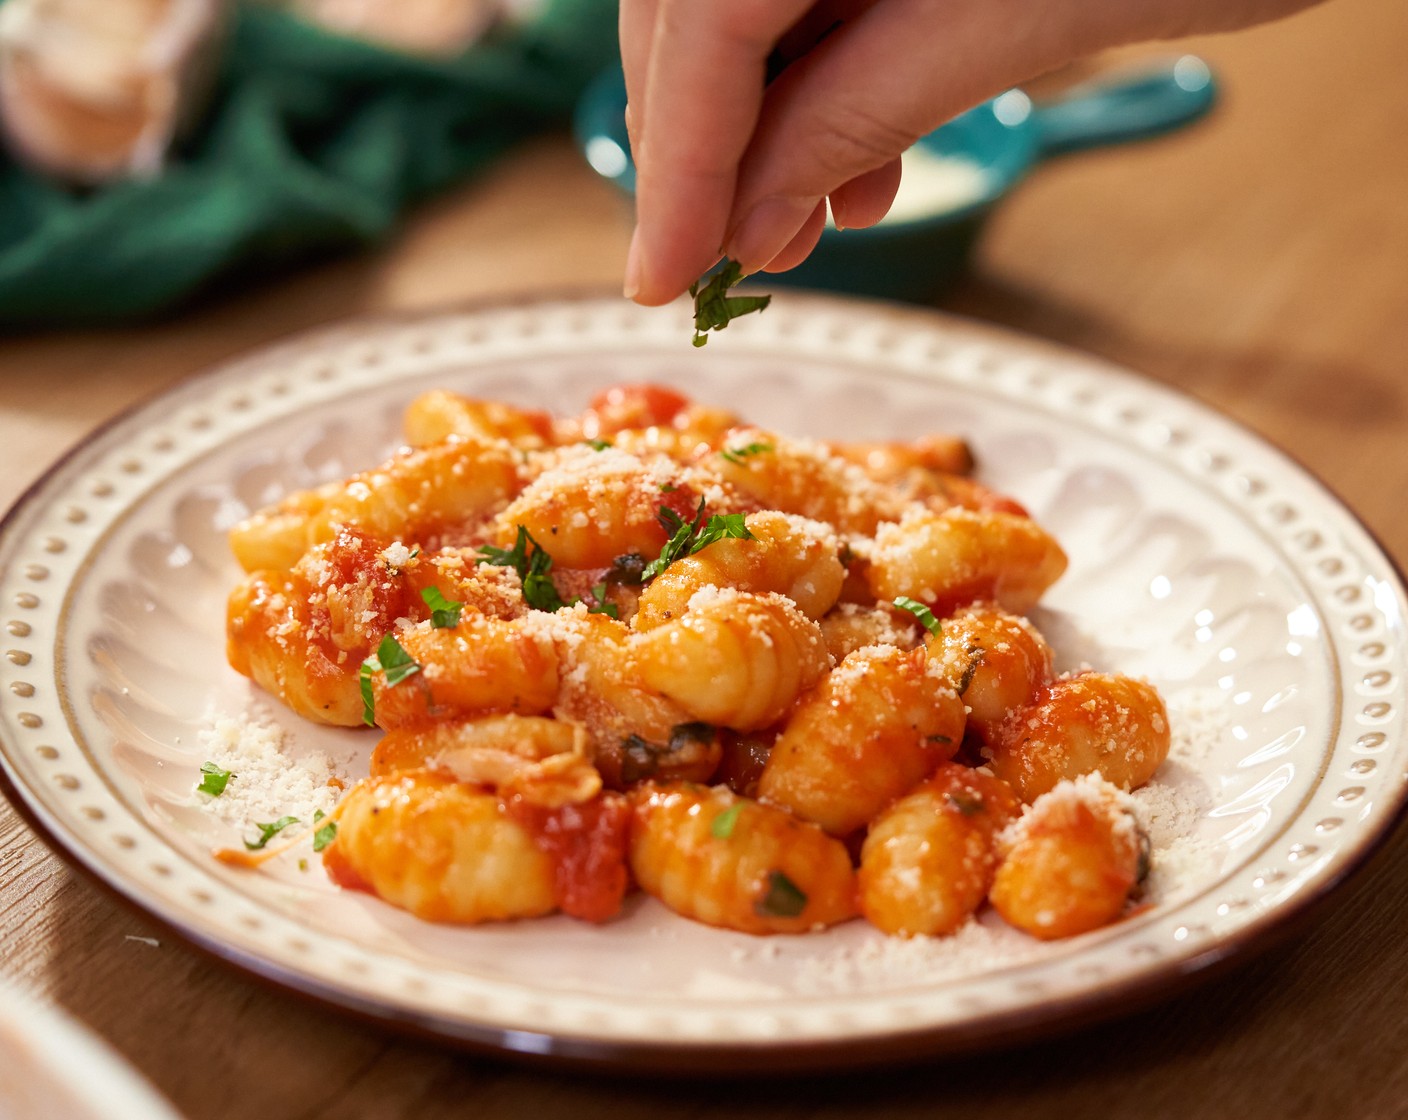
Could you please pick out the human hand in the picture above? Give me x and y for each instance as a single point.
(727, 162)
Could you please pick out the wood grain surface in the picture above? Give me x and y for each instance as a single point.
(1258, 262)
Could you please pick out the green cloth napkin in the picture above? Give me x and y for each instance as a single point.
(313, 143)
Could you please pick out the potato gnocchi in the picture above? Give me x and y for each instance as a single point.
(774, 683)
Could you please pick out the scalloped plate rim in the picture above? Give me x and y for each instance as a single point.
(1004, 1026)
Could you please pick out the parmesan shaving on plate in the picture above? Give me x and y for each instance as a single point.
(271, 775)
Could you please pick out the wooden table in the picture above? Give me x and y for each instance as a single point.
(1259, 263)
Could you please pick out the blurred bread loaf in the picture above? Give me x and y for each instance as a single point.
(430, 27)
(93, 90)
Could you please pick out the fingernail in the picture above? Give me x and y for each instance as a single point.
(767, 229)
(631, 289)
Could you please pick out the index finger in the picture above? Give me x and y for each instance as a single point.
(701, 97)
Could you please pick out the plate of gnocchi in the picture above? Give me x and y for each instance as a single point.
(867, 684)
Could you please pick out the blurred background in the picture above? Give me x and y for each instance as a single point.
(185, 180)
(278, 165)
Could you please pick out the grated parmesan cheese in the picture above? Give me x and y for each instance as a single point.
(271, 776)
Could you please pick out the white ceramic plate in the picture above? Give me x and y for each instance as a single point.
(1201, 558)
(51, 1066)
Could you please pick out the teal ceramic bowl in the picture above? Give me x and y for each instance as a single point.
(953, 177)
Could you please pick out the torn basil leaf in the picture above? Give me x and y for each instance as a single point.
(782, 899)
(444, 613)
(268, 831)
(714, 308)
(738, 454)
(392, 659)
(532, 563)
(325, 835)
(722, 826)
(214, 780)
(919, 611)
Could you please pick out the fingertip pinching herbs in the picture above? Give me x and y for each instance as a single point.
(714, 308)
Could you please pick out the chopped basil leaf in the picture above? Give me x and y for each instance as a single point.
(783, 899)
(395, 661)
(390, 658)
(532, 563)
(599, 603)
(966, 803)
(597, 444)
(719, 526)
(444, 613)
(325, 835)
(738, 454)
(268, 831)
(919, 611)
(722, 826)
(672, 522)
(364, 680)
(515, 557)
(215, 779)
(538, 587)
(681, 532)
(714, 309)
(688, 537)
(668, 488)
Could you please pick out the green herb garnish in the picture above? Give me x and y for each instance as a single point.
(714, 309)
(215, 779)
(325, 835)
(532, 563)
(688, 537)
(600, 604)
(722, 826)
(738, 454)
(718, 527)
(392, 659)
(597, 444)
(784, 899)
(919, 611)
(968, 804)
(681, 532)
(515, 557)
(268, 831)
(444, 613)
